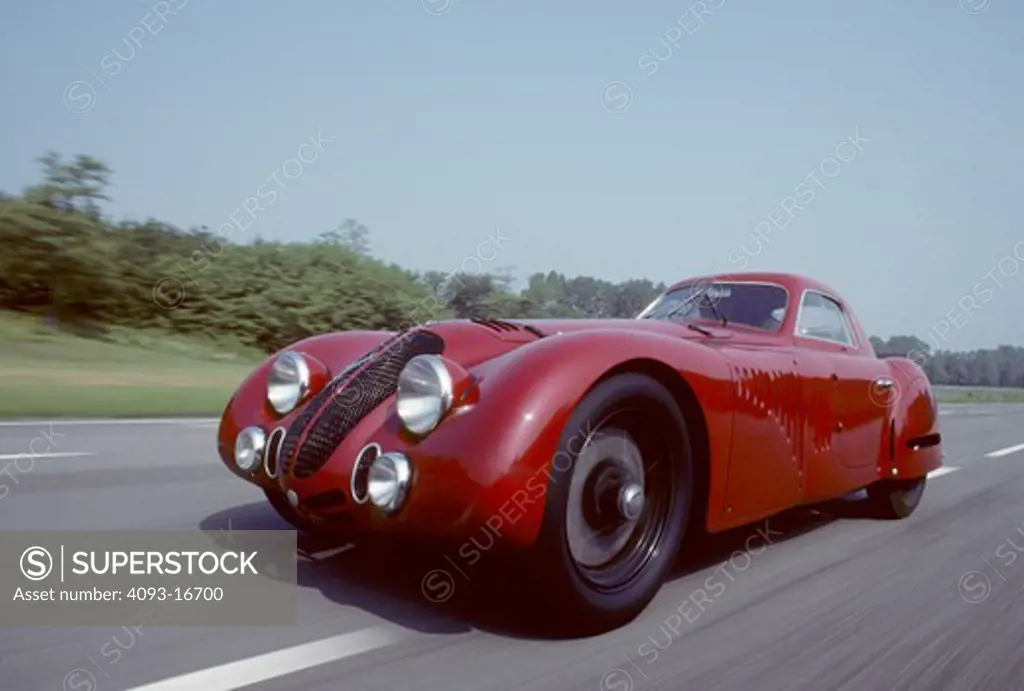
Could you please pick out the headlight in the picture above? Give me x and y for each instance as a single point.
(287, 382)
(249, 448)
(389, 479)
(425, 393)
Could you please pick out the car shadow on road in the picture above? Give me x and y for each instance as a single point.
(354, 577)
(428, 592)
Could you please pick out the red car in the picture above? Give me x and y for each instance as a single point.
(588, 448)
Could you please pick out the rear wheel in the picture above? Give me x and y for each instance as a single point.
(619, 496)
(894, 499)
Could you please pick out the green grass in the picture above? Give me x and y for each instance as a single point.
(978, 394)
(48, 373)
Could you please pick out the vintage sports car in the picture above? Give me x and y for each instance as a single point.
(585, 448)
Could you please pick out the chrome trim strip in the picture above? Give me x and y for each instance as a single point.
(277, 453)
(842, 310)
(355, 468)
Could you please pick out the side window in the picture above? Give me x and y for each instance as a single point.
(821, 317)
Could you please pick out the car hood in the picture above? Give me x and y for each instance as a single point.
(471, 342)
(554, 327)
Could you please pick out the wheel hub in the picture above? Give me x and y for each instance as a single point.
(606, 497)
(631, 501)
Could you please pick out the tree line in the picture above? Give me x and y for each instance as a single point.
(1002, 366)
(63, 258)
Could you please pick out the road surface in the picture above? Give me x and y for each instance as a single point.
(821, 601)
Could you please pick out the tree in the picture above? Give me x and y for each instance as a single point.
(76, 186)
(350, 234)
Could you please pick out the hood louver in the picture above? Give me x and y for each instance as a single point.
(503, 326)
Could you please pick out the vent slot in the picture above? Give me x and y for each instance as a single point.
(361, 473)
(330, 499)
(502, 326)
(924, 442)
(272, 454)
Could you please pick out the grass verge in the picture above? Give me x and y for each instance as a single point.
(979, 394)
(45, 372)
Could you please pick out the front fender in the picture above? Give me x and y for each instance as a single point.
(509, 439)
(248, 406)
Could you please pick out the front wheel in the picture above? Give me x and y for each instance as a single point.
(895, 499)
(618, 502)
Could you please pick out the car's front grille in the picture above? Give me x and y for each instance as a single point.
(339, 407)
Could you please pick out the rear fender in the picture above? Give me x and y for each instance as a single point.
(914, 439)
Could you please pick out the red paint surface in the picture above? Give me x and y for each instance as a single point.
(789, 420)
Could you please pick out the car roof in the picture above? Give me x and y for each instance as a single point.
(796, 284)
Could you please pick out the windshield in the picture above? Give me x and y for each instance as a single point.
(759, 305)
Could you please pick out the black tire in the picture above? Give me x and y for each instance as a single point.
(578, 599)
(895, 499)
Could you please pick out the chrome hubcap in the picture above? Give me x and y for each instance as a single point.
(631, 501)
(606, 497)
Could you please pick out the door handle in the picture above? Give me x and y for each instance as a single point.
(885, 391)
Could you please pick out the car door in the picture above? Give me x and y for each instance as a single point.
(857, 407)
(764, 469)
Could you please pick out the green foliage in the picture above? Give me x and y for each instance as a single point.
(1002, 366)
(93, 276)
(97, 277)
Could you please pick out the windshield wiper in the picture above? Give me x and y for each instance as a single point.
(710, 304)
(699, 329)
(677, 309)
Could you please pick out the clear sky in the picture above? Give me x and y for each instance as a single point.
(649, 139)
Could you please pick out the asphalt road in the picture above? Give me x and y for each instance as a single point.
(822, 600)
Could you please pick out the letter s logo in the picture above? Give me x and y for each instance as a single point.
(36, 563)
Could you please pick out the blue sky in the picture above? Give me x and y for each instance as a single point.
(449, 119)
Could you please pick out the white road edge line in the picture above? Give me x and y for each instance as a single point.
(36, 456)
(254, 670)
(944, 470)
(1005, 452)
(112, 421)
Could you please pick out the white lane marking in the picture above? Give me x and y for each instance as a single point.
(254, 670)
(944, 470)
(37, 456)
(1005, 452)
(328, 553)
(113, 421)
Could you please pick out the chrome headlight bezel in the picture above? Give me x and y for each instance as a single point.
(426, 392)
(250, 444)
(288, 382)
(388, 482)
